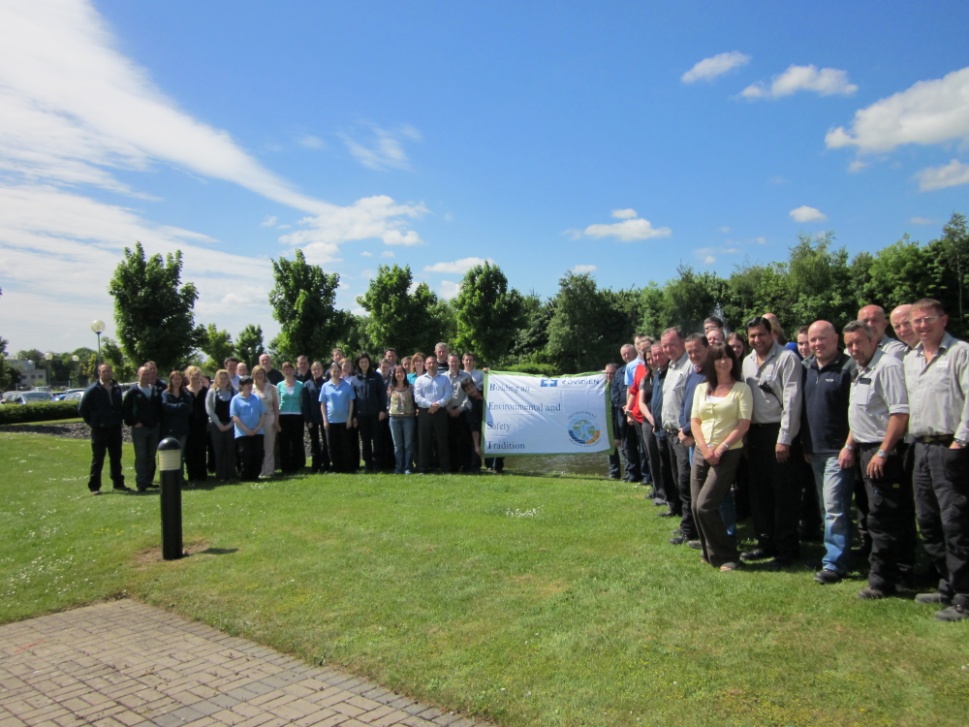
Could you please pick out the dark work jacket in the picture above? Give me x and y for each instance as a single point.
(826, 394)
(656, 404)
(693, 380)
(370, 392)
(100, 407)
(311, 401)
(176, 413)
(140, 409)
(617, 392)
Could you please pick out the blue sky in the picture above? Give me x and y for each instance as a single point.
(618, 138)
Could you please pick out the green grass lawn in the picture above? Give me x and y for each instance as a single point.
(522, 600)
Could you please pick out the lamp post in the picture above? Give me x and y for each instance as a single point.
(98, 328)
(77, 369)
(48, 357)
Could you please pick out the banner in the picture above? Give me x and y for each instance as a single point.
(541, 415)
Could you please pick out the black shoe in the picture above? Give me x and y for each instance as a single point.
(695, 544)
(121, 488)
(779, 564)
(934, 598)
(679, 540)
(668, 513)
(827, 576)
(659, 501)
(757, 553)
(953, 613)
(873, 594)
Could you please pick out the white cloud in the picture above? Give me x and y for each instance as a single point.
(725, 230)
(760, 240)
(631, 228)
(580, 269)
(710, 68)
(824, 82)
(922, 221)
(458, 267)
(857, 165)
(388, 253)
(807, 214)
(449, 289)
(383, 148)
(366, 253)
(952, 174)
(308, 141)
(929, 112)
(269, 221)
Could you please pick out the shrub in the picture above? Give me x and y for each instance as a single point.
(24, 413)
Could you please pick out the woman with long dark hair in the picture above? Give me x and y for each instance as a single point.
(176, 403)
(370, 408)
(402, 420)
(720, 418)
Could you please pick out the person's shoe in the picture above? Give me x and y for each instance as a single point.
(729, 566)
(778, 564)
(668, 513)
(873, 594)
(827, 576)
(695, 544)
(95, 492)
(933, 598)
(953, 613)
(659, 501)
(678, 540)
(121, 488)
(757, 553)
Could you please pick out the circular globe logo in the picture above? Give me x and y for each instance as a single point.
(583, 429)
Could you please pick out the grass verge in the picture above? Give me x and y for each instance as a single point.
(523, 600)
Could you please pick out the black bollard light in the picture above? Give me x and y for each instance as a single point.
(170, 465)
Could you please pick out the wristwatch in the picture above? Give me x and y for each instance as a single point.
(881, 453)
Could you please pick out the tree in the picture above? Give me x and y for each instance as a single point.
(217, 344)
(691, 298)
(249, 345)
(820, 282)
(303, 302)
(406, 320)
(487, 314)
(123, 368)
(955, 243)
(577, 338)
(531, 338)
(154, 315)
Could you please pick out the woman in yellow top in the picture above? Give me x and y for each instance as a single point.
(720, 418)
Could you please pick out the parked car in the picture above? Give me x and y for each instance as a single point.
(9, 397)
(34, 397)
(73, 395)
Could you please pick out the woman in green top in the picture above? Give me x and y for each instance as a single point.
(720, 419)
(292, 453)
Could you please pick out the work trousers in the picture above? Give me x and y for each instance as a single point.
(105, 440)
(775, 494)
(432, 433)
(891, 519)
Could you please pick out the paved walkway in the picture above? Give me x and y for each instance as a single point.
(123, 663)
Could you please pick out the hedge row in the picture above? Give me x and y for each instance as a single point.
(25, 413)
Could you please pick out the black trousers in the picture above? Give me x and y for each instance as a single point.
(891, 519)
(630, 452)
(647, 440)
(681, 458)
(370, 439)
(941, 483)
(432, 434)
(668, 473)
(341, 448)
(292, 456)
(250, 456)
(775, 493)
(105, 440)
(319, 452)
(459, 442)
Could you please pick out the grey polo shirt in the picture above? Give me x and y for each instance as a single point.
(893, 346)
(937, 390)
(877, 392)
(782, 373)
(673, 387)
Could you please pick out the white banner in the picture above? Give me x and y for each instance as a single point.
(541, 415)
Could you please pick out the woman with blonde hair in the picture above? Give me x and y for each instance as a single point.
(176, 404)
(269, 396)
(417, 366)
(197, 443)
(221, 428)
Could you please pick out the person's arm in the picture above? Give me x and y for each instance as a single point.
(790, 371)
(644, 408)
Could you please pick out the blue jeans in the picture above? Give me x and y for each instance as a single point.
(402, 432)
(835, 488)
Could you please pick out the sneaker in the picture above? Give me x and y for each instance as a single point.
(679, 540)
(873, 594)
(827, 576)
(953, 613)
(755, 554)
(934, 598)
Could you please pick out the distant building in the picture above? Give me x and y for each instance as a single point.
(30, 375)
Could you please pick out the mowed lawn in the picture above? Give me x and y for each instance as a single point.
(524, 600)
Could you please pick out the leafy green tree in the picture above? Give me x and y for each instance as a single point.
(153, 313)
(900, 273)
(406, 320)
(304, 303)
(531, 339)
(217, 345)
(690, 298)
(249, 346)
(578, 338)
(487, 313)
(753, 290)
(955, 244)
(820, 283)
(123, 367)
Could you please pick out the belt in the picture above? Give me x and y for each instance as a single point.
(943, 439)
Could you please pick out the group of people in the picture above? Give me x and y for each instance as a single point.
(792, 434)
(414, 414)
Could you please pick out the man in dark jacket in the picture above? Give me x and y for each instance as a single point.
(141, 410)
(100, 408)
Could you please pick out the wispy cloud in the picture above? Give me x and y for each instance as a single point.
(308, 141)
(823, 81)
(580, 269)
(922, 221)
(928, 112)
(715, 66)
(458, 267)
(631, 228)
(807, 214)
(380, 149)
(448, 289)
(952, 174)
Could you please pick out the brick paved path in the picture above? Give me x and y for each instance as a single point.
(124, 663)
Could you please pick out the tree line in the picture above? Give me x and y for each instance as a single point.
(578, 329)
